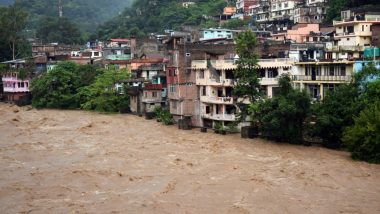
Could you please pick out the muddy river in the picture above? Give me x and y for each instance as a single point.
(83, 162)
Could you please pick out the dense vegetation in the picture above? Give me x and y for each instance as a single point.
(72, 86)
(335, 6)
(282, 117)
(147, 16)
(87, 13)
(12, 38)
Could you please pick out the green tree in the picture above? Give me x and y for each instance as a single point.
(12, 23)
(101, 95)
(363, 138)
(282, 117)
(60, 30)
(235, 24)
(338, 108)
(335, 113)
(247, 83)
(334, 8)
(57, 88)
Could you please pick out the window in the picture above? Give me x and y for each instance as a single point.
(342, 70)
(208, 110)
(172, 88)
(96, 53)
(201, 74)
(203, 90)
(154, 94)
(22, 85)
(363, 28)
(145, 94)
(174, 104)
(331, 71)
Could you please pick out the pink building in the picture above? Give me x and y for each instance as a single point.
(14, 87)
(299, 33)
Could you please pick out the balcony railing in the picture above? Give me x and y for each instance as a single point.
(151, 100)
(286, 60)
(222, 117)
(355, 20)
(346, 48)
(214, 82)
(322, 78)
(14, 90)
(217, 100)
(268, 81)
(9, 79)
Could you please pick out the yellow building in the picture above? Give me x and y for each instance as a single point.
(319, 77)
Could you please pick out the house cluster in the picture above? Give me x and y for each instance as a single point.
(191, 72)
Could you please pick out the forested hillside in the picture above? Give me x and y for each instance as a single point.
(146, 16)
(87, 14)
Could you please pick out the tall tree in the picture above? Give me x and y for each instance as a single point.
(12, 23)
(247, 82)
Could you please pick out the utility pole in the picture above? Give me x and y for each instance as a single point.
(60, 10)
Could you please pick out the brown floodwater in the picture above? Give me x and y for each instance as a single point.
(83, 162)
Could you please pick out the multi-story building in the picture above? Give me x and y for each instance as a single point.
(283, 9)
(270, 70)
(261, 11)
(183, 96)
(242, 6)
(14, 87)
(120, 49)
(319, 77)
(315, 13)
(217, 33)
(215, 80)
(299, 33)
(353, 34)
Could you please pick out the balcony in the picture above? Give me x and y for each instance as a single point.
(151, 100)
(199, 64)
(322, 78)
(217, 100)
(9, 79)
(215, 82)
(227, 64)
(353, 20)
(221, 117)
(356, 33)
(268, 81)
(16, 90)
(345, 48)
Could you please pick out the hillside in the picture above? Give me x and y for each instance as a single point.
(147, 16)
(87, 14)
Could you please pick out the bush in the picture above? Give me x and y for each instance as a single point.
(363, 138)
(163, 115)
(166, 117)
(218, 127)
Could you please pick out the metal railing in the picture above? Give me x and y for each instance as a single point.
(321, 78)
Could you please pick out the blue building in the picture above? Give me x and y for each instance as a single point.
(216, 33)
